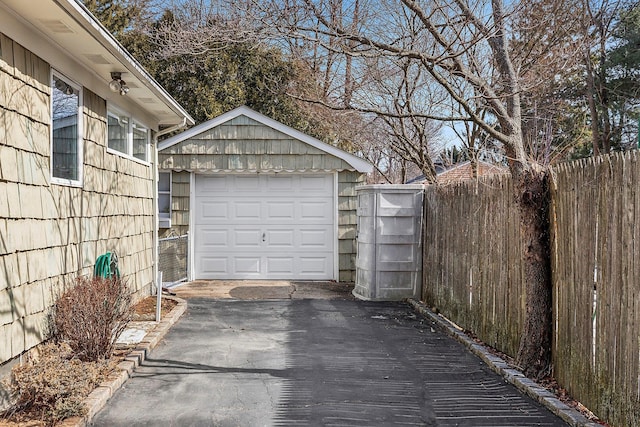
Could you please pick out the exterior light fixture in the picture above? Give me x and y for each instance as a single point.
(117, 84)
(63, 87)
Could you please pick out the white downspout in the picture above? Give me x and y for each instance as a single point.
(154, 187)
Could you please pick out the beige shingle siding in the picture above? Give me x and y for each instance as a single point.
(347, 222)
(180, 195)
(243, 144)
(50, 234)
(247, 146)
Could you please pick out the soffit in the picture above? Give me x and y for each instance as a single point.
(69, 29)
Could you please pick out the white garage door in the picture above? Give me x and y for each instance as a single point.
(278, 226)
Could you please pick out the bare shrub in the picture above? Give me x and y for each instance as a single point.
(52, 385)
(91, 315)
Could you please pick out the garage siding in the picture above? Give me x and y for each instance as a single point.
(347, 221)
(245, 145)
(180, 193)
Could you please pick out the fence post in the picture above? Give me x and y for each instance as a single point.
(188, 266)
(159, 297)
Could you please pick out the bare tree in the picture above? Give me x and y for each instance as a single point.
(597, 24)
(199, 27)
(463, 48)
(449, 61)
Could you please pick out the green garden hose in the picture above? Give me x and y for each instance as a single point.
(107, 266)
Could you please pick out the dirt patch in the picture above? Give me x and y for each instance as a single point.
(264, 289)
(146, 308)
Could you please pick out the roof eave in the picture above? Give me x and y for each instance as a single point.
(80, 13)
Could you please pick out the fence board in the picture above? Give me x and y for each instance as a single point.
(472, 263)
(595, 235)
(473, 274)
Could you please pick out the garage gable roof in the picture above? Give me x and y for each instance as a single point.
(356, 162)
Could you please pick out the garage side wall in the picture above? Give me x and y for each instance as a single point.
(347, 222)
(180, 199)
(245, 145)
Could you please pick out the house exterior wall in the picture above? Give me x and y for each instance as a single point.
(50, 234)
(245, 145)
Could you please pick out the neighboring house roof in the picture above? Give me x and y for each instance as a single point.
(464, 170)
(357, 163)
(420, 179)
(461, 171)
(64, 33)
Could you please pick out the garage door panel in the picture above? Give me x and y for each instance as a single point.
(247, 265)
(212, 238)
(213, 185)
(248, 183)
(281, 239)
(280, 210)
(265, 226)
(213, 211)
(280, 183)
(279, 265)
(316, 239)
(244, 239)
(315, 183)
(313, 211)
(214, 265)
(247, 210)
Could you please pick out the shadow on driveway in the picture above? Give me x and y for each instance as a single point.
(319, 362)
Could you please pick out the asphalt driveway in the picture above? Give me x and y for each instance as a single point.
(314, 362)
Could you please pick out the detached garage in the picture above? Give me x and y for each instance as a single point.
(260, 200)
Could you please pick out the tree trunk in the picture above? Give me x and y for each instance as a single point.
(593, 112)
(534, 354)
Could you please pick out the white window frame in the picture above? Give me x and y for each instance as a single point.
(164, 221)
(147, 146)
(117, 112)
(80, 138)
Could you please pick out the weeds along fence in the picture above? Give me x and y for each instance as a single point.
(596, 271)
(473, 274)
(173, 254)
(472, 263)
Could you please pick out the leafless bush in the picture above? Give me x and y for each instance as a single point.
(52, 385)
(91, 315)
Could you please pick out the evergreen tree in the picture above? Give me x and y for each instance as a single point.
(212, 82)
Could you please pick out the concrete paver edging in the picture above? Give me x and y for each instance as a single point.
(98, 398)
(527, 386)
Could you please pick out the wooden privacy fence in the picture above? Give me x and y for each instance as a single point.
(472, 263)
(472, 273)
(596, 271)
